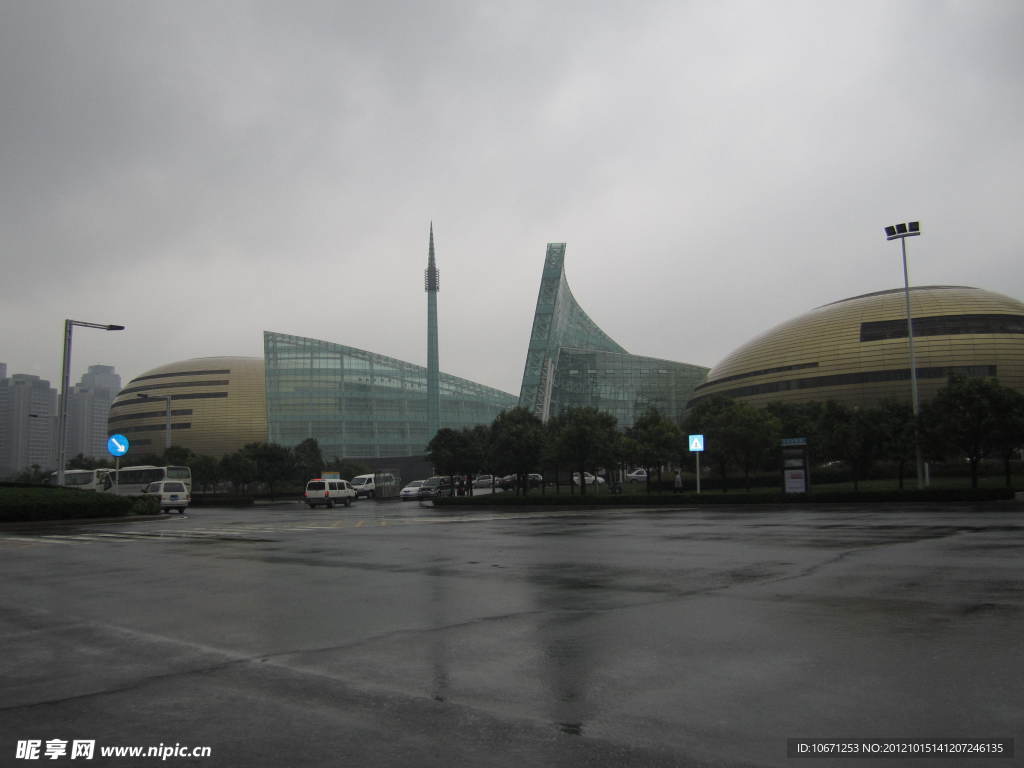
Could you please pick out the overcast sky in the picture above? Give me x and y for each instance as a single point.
(204, 171)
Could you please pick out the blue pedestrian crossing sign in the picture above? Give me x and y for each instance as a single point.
(696, 443)
(117, 445)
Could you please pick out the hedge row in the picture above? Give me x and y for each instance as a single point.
(832, 497)
(21, 504)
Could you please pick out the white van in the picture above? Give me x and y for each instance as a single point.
(174, 494)
(328, 493)
(366, 487)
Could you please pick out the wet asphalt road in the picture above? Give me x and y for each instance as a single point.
(399, 635)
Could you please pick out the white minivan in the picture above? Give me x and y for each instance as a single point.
(328, 492)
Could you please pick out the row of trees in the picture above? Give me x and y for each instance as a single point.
(272, 465)
(969, 418)
(579, 440)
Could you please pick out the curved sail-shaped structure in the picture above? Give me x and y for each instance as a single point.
(572, 362)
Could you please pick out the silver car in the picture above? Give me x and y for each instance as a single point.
(411, 491)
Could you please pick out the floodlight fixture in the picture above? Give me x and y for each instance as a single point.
(899, 231)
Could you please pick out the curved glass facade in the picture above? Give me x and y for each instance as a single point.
(359, 404)
(856, 350)
(571, 362)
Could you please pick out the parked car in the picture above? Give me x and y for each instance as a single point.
(486, 481)
(173, 494)
(328, 493)
(438, 485)
(533, 479)
(411, 491)
(588, 478)
(637, 476)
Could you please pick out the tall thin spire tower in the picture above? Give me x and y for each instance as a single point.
(432, 285)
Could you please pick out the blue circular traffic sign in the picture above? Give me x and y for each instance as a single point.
(117, 445)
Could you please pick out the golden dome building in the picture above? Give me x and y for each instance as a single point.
(218, 404)
(855, 351)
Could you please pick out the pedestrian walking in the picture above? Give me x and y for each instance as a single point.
(678, 482)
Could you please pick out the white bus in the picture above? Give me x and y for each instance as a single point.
(131, 480)
(86, 479)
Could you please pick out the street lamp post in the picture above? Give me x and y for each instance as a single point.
(167, 430)
(901, 232)
(62, 422)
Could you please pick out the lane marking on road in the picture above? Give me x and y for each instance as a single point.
(29, 541)
(262, 531)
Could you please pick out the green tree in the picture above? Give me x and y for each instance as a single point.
(586, 439)
(206, 472)
(239, 469)
(178, 455)
(964, 417)
(309, 462)
(751, 435)
(517, 442)
(897, 427)
(711, 417)
(274, 463)
(449, 452)
(482, 449)
(654, 440)
(801, 420)
(1008, 437)
(852, 434)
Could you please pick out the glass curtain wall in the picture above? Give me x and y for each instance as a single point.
(359, 404)
(623, 385)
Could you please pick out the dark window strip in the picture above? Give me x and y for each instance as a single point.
(862, 377)
(942, 325)
(156, 428)
(178, 373)
(762, 372)
(177, 385)
(150, 415)
(190, 396)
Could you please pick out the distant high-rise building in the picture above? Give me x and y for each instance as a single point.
(88, 410)
(432, 284)
(28, 412)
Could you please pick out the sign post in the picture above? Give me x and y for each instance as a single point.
(117, 446)
(697, 447)
(795, 467)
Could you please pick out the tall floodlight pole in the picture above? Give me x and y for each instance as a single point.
(62, 421)
(167, 429)
(901, 232)
(432, 284)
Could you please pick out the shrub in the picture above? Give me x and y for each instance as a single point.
(43, 503)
